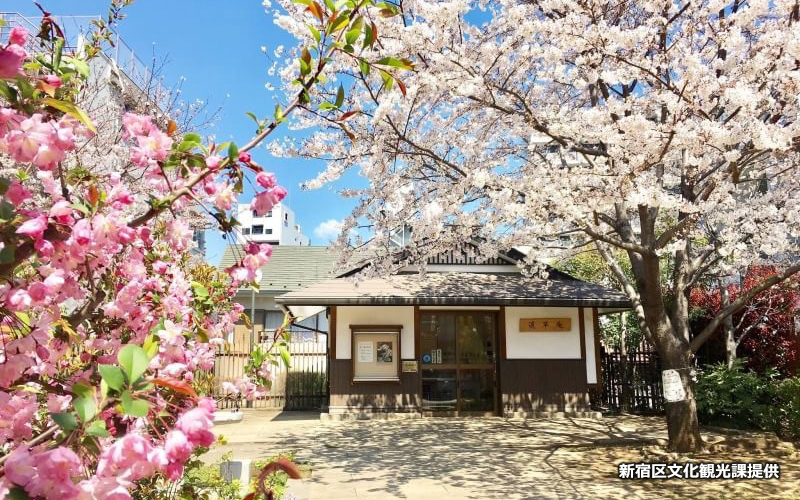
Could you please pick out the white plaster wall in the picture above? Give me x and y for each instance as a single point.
(542, 345)
(591, 362)
(374, 315)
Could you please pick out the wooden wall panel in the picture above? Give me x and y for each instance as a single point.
(371, 396)
(531, 385)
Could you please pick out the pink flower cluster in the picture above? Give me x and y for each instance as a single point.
(248, 269)
(35, 140)
(52, 474)
(265, 200)
(153, 145)
(13, 55)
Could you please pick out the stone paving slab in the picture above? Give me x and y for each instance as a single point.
(481, 458)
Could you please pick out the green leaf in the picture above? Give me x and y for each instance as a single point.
(279, 114)
(134, 407)
(80, 66)
(302, 2)
(65, 420)
(352, 35)
(7, 211)
(305, 68)
(396, 63)
(133, 361)
(57, 51)
(287, 358)
(364, 67)
(97, 429)
(388, 80)
(233, 156)
(199, 289)
(85, 407)
(315, 33)
(340, 22)
(113, 376)
(72, 110)
(326, 106)
(17, 493)
(151, 346)
(339, 96)
(192, 137)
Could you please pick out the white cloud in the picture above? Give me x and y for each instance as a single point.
(328, 230)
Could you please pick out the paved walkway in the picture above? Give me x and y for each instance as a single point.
(479, 458)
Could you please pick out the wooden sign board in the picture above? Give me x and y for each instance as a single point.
(545, 324)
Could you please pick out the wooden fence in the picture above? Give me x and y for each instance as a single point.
(631, 382)
(301, 386)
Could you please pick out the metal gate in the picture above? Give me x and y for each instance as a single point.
(301, 386)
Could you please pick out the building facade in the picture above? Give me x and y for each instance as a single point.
(472, 336)
(277, 227)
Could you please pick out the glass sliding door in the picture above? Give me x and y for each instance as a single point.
(458, 352)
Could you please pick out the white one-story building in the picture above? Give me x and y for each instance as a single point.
(472, 336)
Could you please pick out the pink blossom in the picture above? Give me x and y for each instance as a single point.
(266, 180)
(34, 227)
(104, 488)
(57, 403)
(16, 413)
(54, 471)
(160, 266)
(18, 35)
(53, 80)
(44, 248)
(213, 161)
(16, 193)
(262, 203)
(177, 446)
(19, 467)
(11, 59)
(136, 125)
(196, 423)
(225, 197)
(127, 458)
(245, 157)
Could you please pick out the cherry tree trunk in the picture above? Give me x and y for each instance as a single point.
(683, 426)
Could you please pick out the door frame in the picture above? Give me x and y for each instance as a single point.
(499, 320)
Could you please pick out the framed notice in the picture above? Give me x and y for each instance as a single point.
(376, 353)
(545, 324)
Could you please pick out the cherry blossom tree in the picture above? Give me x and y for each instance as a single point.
(102, 326)
(658, 128)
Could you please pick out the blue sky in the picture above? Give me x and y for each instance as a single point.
(216, 46)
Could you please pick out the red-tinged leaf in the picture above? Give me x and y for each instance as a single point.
(387, 13)
(283, 464)
(374, 35)
(316, 10)
(402, 86)
(176, 385)
(306, 56)
(46, 88)
(172, 127)
(347, 115)
(94, 195)
(349, 134)
(251, 496)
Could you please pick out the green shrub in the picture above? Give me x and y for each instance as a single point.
(789, 405)
(734, 397)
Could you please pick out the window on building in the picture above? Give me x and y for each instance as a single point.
(286, 223)
(259, 229)
(268, 231)
(245, 230)
(285, 216)
(255, 214)
(269, 214)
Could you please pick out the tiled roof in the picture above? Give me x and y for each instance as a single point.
(513, 289)
(290, 267)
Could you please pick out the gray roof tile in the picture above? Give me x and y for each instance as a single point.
(290, 267)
